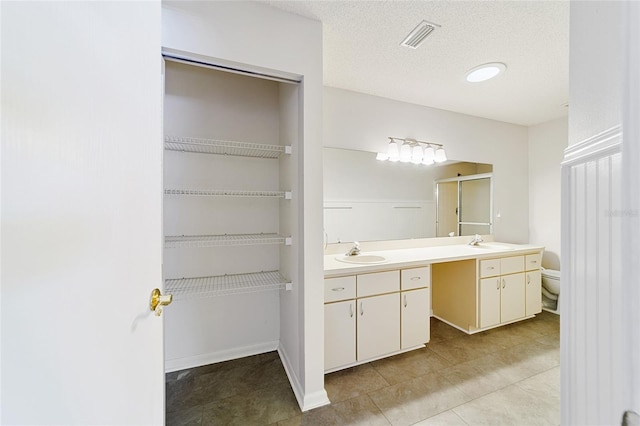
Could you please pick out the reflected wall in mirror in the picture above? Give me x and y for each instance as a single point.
(370, 200)
(464, 205)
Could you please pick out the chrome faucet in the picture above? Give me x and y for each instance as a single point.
(355, 250)
(476, 240)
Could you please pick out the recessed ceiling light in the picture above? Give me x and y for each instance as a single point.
(485, 72)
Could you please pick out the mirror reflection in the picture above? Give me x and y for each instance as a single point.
(370, 200)
(464, 205)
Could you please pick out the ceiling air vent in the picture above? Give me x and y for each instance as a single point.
(417, 36)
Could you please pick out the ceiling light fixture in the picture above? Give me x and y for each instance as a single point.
(485, 72)
(414, 151)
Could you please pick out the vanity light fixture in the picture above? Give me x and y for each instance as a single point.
(485, 72)
(429, 155)
(441, 156)
(405, 152)
(393, 151)
(414, 151)
(416, 154)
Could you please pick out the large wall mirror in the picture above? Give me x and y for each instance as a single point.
(370, 200)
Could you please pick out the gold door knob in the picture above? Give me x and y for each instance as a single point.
(158, 301)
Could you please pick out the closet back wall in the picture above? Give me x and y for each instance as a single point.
(204, 103)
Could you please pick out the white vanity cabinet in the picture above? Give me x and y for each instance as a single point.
(533, 278)
(378, 326)
(339, 321)
(378, 317)
(502, 290)
(415, 308)
(369, 316)
(340, 334)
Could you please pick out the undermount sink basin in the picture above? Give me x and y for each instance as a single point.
(362, 258)
(492, 246)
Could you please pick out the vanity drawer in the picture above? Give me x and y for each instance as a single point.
(341, 288)
(532, 262)
(378, 283)
(415, 278)
(511, 265)
(489, 268)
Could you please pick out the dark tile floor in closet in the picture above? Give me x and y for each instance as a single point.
(508, 375)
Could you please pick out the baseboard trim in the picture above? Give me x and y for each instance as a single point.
(219, 356)
(306, 402)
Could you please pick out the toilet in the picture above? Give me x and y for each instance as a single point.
(550, 290)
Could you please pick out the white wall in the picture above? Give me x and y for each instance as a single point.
(364, 122)
(595, 68)
(255, 37)
(547, 142)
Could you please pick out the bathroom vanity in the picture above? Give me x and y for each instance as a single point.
(379, 304)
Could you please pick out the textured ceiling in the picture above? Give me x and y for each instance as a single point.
(362, 53)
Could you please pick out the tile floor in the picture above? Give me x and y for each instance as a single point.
(509, 375)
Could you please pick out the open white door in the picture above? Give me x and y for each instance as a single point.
(81, 213)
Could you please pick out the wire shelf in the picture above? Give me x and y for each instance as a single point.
(214, 146)
(224, 285)
(227, 193)
(184, 241)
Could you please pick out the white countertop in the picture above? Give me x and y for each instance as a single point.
(414, 257)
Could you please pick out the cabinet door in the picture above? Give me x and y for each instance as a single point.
(415, 310)
(534, 293)
(512, 297)
(339, 334)
(378, 325)
(490, 301)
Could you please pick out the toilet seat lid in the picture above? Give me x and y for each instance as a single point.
(551, 273)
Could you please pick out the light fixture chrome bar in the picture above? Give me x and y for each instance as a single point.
(414, 141)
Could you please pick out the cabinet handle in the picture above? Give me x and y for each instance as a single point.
(498, 284)
(491, 267)
(405, 300)
(534, 261)
(528, 279)
(350, 310)
(415, 278)
(338, 289)
(361, 309)
(504, 284)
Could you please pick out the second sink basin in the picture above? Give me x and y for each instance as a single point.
(362, 258)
